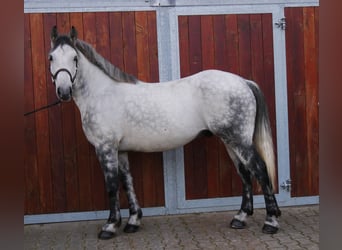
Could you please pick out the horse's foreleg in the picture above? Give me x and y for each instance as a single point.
(135, 213)
(108, 157)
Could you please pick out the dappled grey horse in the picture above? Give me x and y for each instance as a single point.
(120, 113)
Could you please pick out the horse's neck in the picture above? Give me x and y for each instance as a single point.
(90, 82)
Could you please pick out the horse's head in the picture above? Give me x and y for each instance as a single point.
(63, 59)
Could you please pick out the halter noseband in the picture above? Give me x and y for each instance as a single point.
(72, 78)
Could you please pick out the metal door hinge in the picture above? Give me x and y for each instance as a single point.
(281, 24)
(286, 185)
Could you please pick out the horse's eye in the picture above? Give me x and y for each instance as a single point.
(50, 58)
(75, 59)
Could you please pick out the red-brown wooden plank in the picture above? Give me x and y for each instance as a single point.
(232, 37)
(208, 62)
(315, 173)
(69, 139)
(220, 44)
(82, 145)
(231, 181)
(42, 124)
(98, 192)
(102, 34)
(129, 41)
(116, 40)
(196, 152)
(257, 48)
(153, 46)
(296, 99)
(311, 89)
(184, 45)
(142, 45)
(31, 185)
(244, 46)
(207, 39)
(55, 126)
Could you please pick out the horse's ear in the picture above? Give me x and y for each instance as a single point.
(73, 34)
(54, 35)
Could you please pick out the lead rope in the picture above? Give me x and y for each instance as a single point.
(42, 108)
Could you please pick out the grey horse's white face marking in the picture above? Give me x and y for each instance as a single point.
(63, 68)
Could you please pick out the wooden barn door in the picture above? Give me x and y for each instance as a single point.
(238, 43)
(302, 78)
(62, 173)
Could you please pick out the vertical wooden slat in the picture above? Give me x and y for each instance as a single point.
(220, 45)
(98, 192)
(153, 46)
(311, 90)
(232, 37)
(231, 181)
(315, 173)
(82, 148)
(207, 38)
(116, 39)
(69, 139)
(142, 45)
(55, 127)
(31, 189)
(129, 41)
(208, 62)
(296, 99)
(184, 45)
(196, 152)
(244, 46)
(42, 123)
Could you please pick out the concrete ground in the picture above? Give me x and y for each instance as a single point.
(299, 230)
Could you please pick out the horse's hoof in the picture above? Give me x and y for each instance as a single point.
(268, 229)
(105, 235)
(131, 228)
(237, 224)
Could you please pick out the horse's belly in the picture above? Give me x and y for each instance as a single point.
(154, 142)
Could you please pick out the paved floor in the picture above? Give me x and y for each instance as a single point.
(299, 230)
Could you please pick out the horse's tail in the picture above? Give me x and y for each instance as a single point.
(262, 132)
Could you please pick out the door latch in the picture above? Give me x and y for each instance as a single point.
(286, 185)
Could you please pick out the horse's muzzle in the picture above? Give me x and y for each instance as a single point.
(64, 94)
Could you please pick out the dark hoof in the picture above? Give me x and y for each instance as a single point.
(105, 235)
(236, 224)
(131, 228)
(268, 229)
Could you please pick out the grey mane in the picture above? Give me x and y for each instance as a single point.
(109, 69)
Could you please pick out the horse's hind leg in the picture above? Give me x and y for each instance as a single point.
(239, 220)
(259, 170)
(256, 166)
(135, 213)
